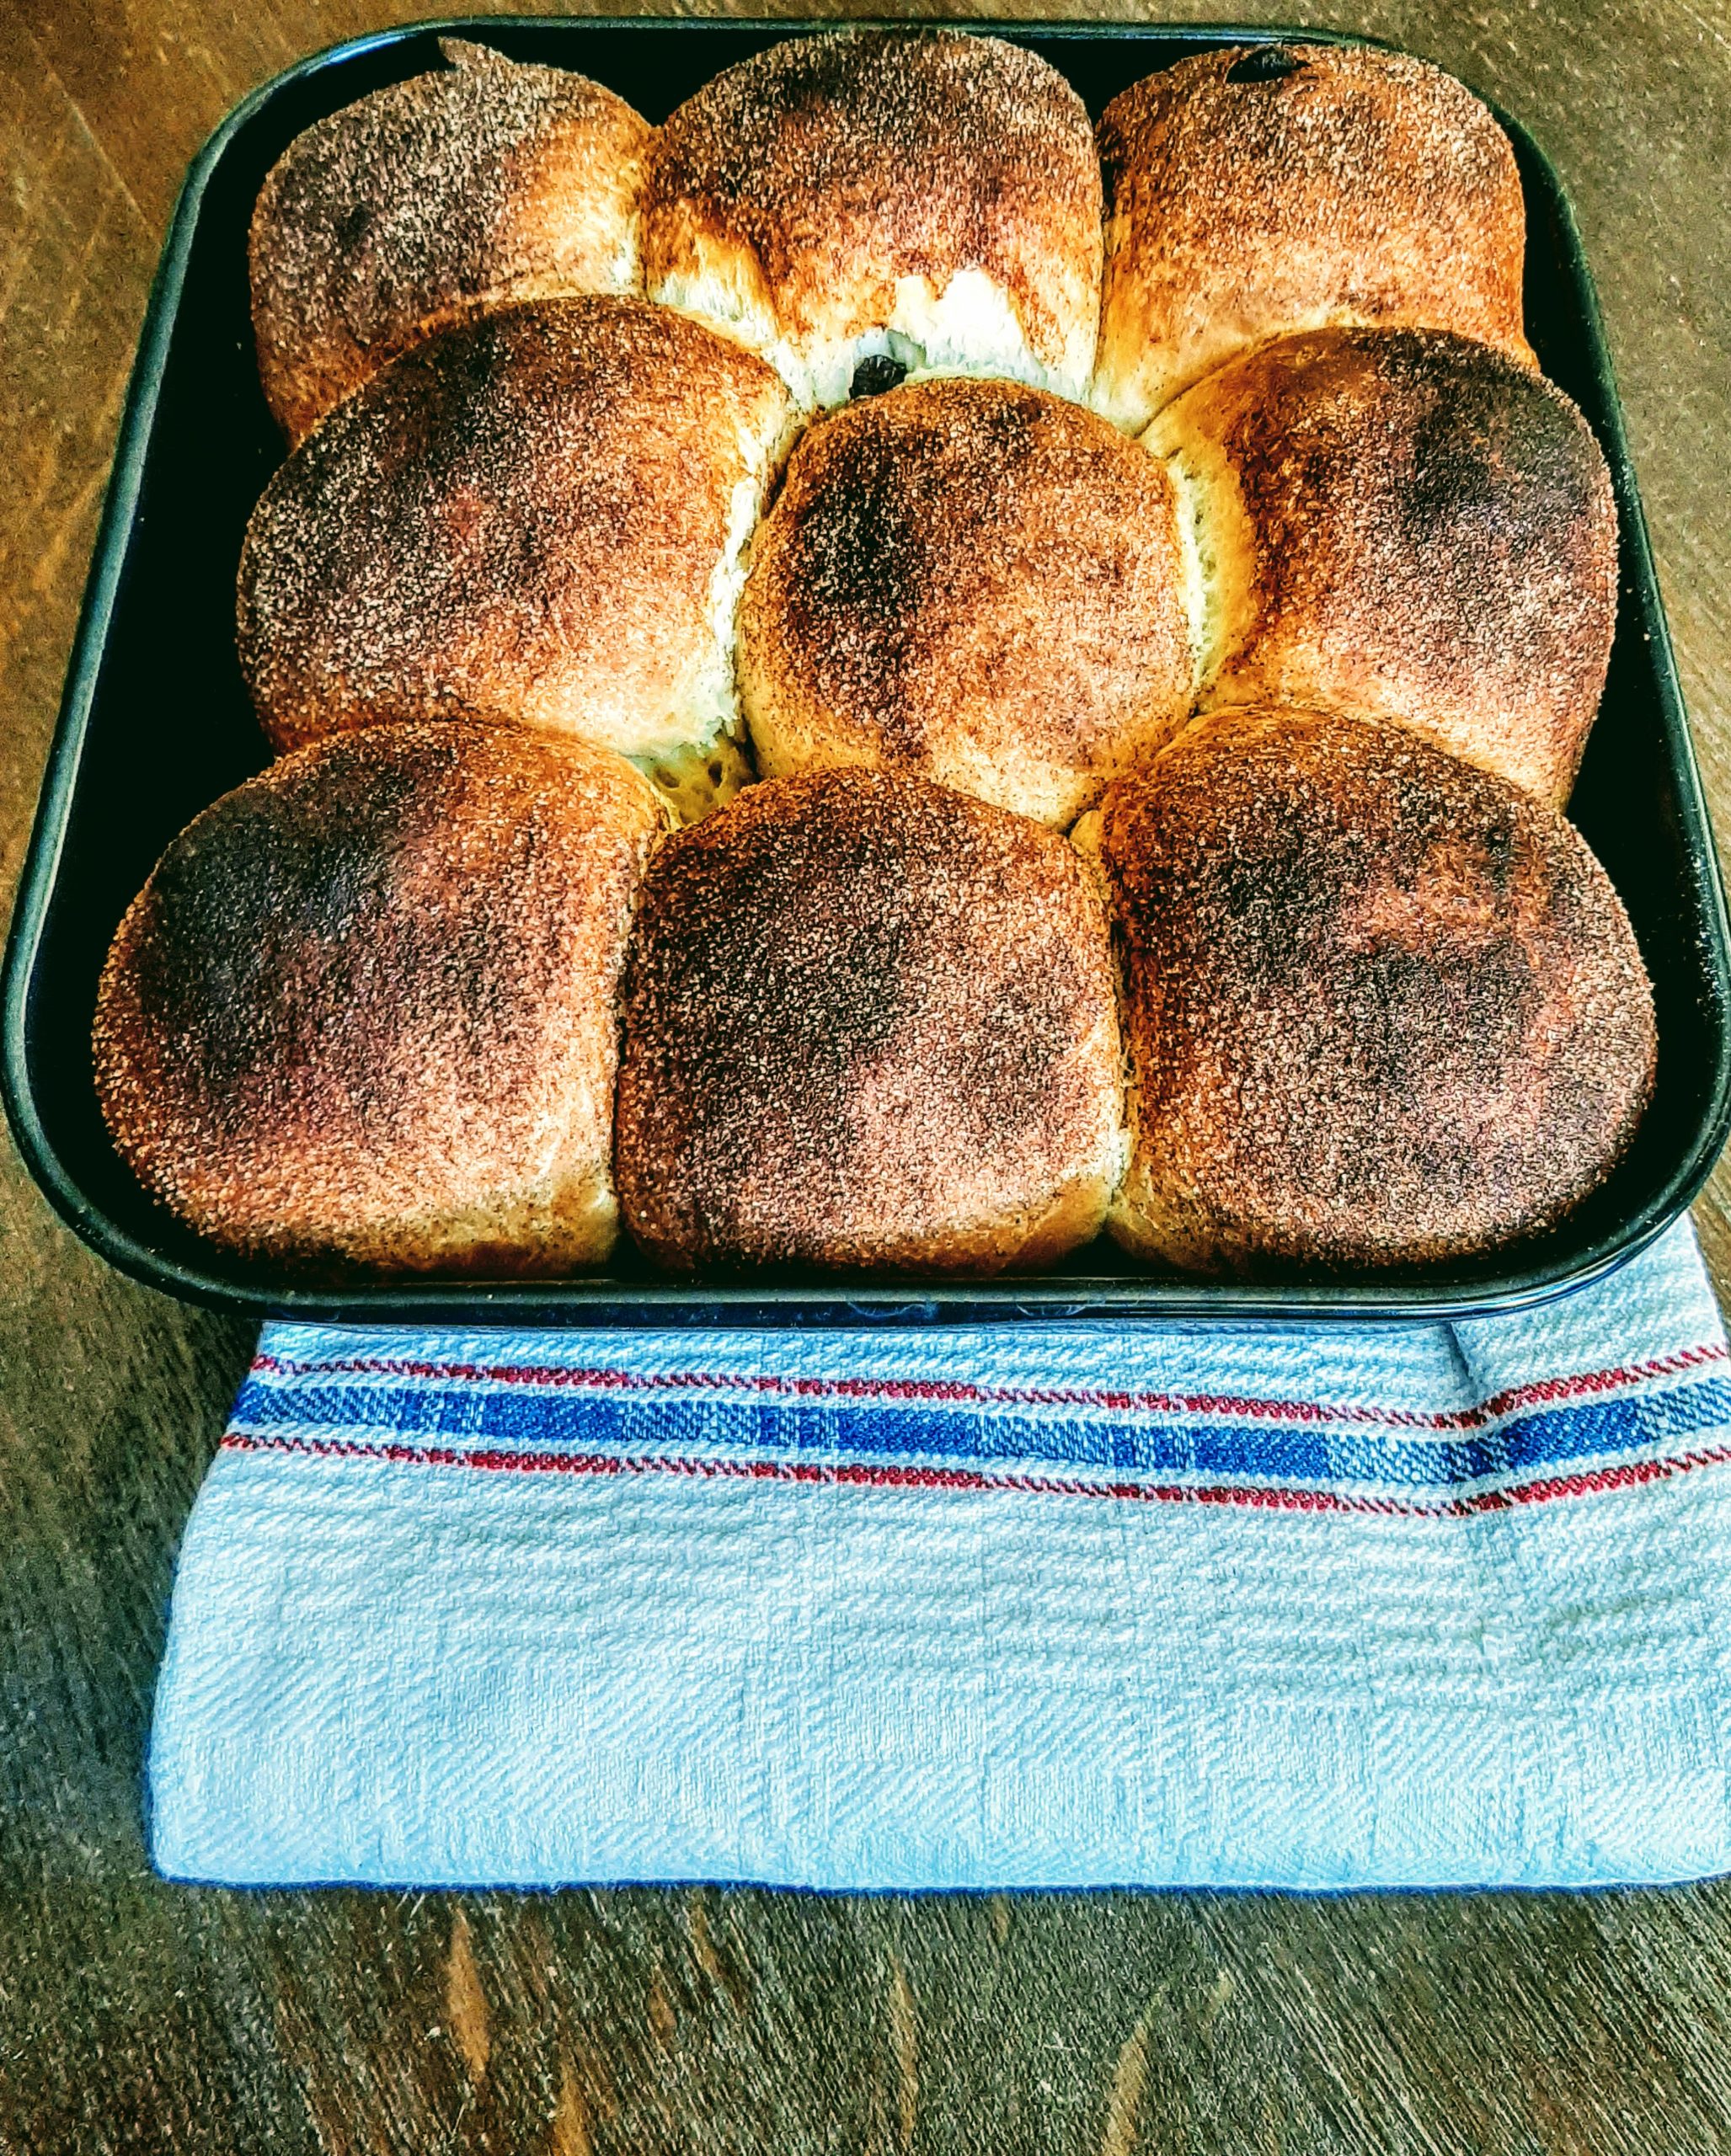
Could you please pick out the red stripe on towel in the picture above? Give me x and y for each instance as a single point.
(1545, 1391)
(1628, 1475)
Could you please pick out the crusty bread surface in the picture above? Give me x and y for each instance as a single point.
(364, 1014)
(870, 1024)
(975, 582)
(1403, 525)
(1382, 1008)
(1191, 477)
(1254, 194)
(537, 517)
(430, 200)
(930, 196)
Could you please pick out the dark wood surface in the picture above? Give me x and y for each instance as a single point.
(140, 2016)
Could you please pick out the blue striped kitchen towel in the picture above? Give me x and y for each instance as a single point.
(1035, 1606)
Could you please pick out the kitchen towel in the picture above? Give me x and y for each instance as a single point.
(1004, 1606)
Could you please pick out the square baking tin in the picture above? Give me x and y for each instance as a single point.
(156, 724)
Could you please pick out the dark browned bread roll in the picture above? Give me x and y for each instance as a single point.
(930, 199)
(1403, 525)
(869, 1022)
(973, 581)
(1252, 193)
(364, 1011)
(431, 200)
(1382, 1008)
(537, 517)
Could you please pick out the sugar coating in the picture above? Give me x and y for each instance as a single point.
(868, 1023)
(1404, 525)
(364, 1010)
(932, 195)
(430, 201)
(977, 582)
(1382, 1008)
(1362, 187)
(535, 517)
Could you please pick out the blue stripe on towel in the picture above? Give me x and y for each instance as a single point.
(469, 1415)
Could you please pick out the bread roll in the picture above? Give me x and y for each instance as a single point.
(1381, 1009)
(364, 1012)
(973, 581)
(869, 1023)
(1254, 192)
(536, 517)
(431, 200)
(1402, 524)
(907, 200)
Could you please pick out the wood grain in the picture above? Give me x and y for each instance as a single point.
(135, 2016)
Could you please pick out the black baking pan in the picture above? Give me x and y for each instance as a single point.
(156, 724)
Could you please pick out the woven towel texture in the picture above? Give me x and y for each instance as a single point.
(1024, 1606)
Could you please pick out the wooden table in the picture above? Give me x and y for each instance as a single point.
(139, 2016)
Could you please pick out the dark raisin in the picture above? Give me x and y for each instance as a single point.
(873, 375)
(1265, 63)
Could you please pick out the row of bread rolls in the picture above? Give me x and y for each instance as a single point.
(551, 516)
(888, 199)
(445, 997)
(542, 509)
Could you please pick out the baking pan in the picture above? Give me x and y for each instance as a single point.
(155, 723)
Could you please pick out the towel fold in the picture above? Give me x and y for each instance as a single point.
(1004, 1606)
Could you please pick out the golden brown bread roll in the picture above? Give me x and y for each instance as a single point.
(364, 1012)
(973, 581)
(537, 517)
(1254, 192)
(869, 1022)
(1403, 525)
(931, 199)
(1382, 1008)
(431, 200)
